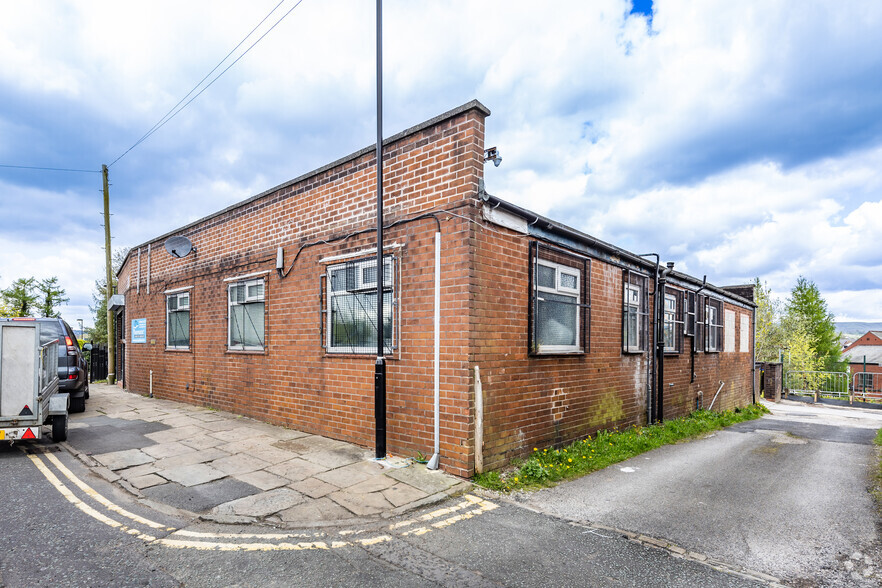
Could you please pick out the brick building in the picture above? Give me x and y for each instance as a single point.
(547, 334)
(864, 358)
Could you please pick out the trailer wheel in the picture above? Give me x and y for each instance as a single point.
(59, 428)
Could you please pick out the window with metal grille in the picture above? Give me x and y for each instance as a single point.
(177, 320)
(352, 306)
(700, 330)
(246, 315)
(673, 323)
(635, 312)
(689, 323)
(560, 301)
(714, 325)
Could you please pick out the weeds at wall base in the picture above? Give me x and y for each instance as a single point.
(547, 466)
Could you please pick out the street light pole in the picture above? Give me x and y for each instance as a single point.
(380, 366)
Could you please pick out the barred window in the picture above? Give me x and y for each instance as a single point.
(352, 306)
(559, 300)
(177, 321)
(246, 315)
(689, 323)
(714, 325)
(673, 322)
(635, 313)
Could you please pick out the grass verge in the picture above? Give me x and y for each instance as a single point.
(547, 466)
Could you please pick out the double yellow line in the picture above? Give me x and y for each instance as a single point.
(91, 493)
(467, 508)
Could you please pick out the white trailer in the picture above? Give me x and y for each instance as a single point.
(29, 397)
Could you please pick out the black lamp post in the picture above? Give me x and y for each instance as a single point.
(380, 366)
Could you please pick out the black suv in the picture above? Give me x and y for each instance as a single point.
(73, 372)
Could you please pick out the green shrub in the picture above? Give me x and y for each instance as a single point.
(550, 465)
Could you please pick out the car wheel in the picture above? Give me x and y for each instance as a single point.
(59, 428)
(77, 404)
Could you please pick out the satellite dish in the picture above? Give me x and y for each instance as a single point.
(179, 246)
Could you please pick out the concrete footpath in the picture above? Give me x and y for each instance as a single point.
(226, 468)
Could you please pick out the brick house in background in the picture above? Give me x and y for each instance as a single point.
(864, 358)
(869, 339)
(556, 330)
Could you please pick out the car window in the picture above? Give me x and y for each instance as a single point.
(50, 330)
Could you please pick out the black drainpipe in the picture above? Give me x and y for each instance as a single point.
(650, 388)
(661, 281)
(695, 330)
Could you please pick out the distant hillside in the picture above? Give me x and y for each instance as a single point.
(855, 330)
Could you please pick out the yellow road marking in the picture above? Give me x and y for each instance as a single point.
(215, 546)
(196, 538)
(100, 499)
(185, 533)
(65, 491)
(375, 540)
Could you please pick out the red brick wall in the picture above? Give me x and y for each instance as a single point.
(733, 368)
(535, 401)
(293, 381)
(528, 400)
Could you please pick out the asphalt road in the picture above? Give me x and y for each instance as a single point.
(48, 539)
(786, 495)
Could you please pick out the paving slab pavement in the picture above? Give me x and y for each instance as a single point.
(228, 468)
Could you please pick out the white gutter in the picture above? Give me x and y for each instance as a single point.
(433, 462)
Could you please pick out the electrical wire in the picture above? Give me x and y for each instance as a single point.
(169, 116)
(227, 56)
(58, 169)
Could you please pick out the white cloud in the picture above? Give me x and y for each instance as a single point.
(738, 138)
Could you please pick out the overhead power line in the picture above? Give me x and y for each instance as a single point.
(177, 108)
(57, 169)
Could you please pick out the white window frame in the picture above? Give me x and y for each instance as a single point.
(367, 287)
(178, 296)
(576, 293)
(249, 299)
(670, 322)
(714, 330)
(636, 308)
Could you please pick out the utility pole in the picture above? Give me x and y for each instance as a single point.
(111, 338)
(380, 366)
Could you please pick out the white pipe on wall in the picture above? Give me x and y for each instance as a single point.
(479, 423)
(436, 457)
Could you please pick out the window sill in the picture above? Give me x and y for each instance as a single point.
(551, 353)
(246, 351)
(359, 354)
(633, 351)
(178, 349)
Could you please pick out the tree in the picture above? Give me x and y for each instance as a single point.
(52, 295)
(770, 337)
(806, 309)
(20, 296)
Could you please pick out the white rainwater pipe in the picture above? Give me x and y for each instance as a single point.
(436, 457)
(711, 407)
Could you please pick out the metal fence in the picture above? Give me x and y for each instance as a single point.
(98, 363)
(867, 386)
(829, 384)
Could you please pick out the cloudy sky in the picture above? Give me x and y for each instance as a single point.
(738, 139)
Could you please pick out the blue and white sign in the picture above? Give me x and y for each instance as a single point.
(139, 330)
